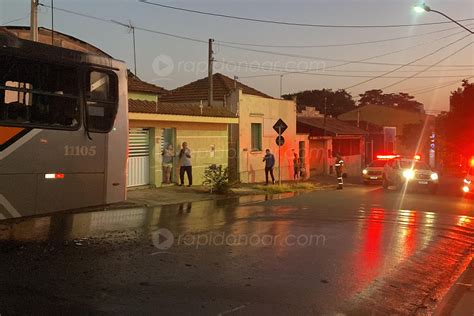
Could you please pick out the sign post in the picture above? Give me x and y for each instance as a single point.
(280, 127)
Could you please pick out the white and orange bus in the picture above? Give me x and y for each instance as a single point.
(63, 129)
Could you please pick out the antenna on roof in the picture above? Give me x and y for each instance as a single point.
(131, 29)
(235, 81)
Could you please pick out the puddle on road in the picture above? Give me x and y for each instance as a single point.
(127, 223)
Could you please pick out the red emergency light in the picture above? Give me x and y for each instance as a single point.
(387, 156)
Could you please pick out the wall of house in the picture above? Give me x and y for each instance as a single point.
(387, 116)
(322, 157)
(253, 109)
(319, 156)
(208, 144)
(142, 96)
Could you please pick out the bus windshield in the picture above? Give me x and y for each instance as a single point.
(38, 95)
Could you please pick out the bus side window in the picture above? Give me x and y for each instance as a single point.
(102, 101)
(37, 94)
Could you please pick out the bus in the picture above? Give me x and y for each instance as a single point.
(63, 129)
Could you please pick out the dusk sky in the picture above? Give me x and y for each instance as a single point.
(189, 58)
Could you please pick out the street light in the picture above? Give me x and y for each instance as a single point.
(425, 8)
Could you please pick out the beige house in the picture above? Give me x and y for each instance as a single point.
(155, 124)
(256, 114)
(391, 123)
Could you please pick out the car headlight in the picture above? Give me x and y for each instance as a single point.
(364, 171)
(434, 176)
(465, 189)
(409, 174)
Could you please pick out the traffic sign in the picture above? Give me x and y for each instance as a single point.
(280, 140)
(280, 126)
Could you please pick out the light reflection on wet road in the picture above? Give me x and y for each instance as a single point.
(374, 252)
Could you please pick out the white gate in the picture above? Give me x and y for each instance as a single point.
(138, 157)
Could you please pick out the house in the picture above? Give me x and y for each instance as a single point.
(154, 125)
(390, 124)
(256, 112)
(328, 136)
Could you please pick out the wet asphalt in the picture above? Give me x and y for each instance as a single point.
(359, 251)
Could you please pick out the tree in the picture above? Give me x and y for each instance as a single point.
(459, 131)
(399, 100)
(337, 102)
(411, 136)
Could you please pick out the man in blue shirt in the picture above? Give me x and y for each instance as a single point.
(269, 160)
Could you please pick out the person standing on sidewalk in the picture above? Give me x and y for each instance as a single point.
(296, 167)
(167, 162)
(269, 160)
(338, 164)
(185, 164)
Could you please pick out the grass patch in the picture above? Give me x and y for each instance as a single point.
(285, 188)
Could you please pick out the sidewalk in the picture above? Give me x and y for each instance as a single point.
(176, 194)
(459, 300)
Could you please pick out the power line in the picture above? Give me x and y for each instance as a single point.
(245, 65)
(331, 59)
(339, 45)
(431, 86)
(125, 25)
(429, 67)
(16, 20)
(436, 87)
(290, 23)
(234, 47)
(410, 63)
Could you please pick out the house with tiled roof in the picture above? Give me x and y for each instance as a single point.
(155, 125)
(329, 136)
(257, 112)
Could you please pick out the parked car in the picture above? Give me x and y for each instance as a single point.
(400, 172)
(374, 171)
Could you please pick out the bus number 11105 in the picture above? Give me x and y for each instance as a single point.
(82, 151)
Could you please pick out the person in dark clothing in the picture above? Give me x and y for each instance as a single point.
(186, 165)
(338, 164)
(269, 160)
(296, 167)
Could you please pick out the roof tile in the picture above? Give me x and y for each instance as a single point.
(198, 90)
(142, 106)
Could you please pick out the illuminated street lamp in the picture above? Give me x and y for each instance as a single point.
(424, 8)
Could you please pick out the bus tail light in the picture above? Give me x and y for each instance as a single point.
(54, 176)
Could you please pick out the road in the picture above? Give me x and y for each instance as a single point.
(358, 251)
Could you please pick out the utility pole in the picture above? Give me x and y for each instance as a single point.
(52, 22)
(34, 21)
(325, 113)
(281, 86)
(134, 49)
(358, 118)
(210, 98)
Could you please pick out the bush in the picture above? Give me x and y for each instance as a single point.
(216, 178)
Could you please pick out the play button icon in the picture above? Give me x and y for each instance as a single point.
(163, 65)
(162, 239)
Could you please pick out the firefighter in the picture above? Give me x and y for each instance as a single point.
(339, 163)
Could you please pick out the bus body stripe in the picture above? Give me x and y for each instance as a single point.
(20, 142)
(7, 205)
